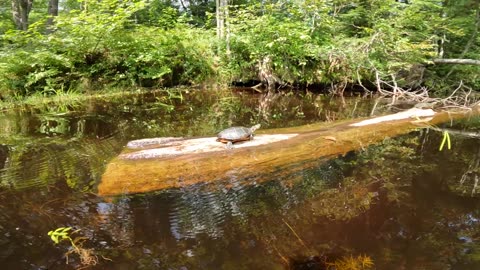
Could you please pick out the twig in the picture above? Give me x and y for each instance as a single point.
(475, 185)
(458, 99)
(360, 83)
(296, 235)
(281, 256)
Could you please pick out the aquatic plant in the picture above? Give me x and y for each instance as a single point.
(87, 256)
(60, 234)
(446, 138)
(360, 262)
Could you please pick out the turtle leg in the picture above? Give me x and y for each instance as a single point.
(229, 145)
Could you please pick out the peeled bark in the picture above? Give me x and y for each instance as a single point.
(457, 61)
(175, 162)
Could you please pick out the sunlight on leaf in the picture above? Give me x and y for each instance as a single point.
(446, 139)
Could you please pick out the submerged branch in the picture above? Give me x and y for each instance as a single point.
(462, 133)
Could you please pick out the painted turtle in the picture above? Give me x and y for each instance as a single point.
(236, 134)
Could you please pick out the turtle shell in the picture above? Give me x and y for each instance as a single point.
(235, 134)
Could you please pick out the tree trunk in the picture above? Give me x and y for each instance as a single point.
(265, 73)
(52, 12)
(20, 11)
(227, 26)
(221, 15)
(220, 26)
(161, 163)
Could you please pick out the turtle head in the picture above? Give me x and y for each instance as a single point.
(257, 126)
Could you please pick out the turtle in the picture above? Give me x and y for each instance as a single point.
(236, 134)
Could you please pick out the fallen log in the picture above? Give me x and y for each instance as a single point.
(457, 61)
(161, 163)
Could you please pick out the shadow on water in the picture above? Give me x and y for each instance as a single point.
(401, 204)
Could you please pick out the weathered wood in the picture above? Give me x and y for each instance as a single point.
(294, 149)
(170, 147)
(457, 61)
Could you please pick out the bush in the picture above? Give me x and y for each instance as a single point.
(104, 49)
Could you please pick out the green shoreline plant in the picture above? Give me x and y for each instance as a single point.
(338, 44)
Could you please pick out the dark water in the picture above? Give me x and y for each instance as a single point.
(403, 203)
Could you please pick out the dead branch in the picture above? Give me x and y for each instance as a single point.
(460, 98)
(457, 61)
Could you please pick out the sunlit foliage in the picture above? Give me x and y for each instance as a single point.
(158, 43)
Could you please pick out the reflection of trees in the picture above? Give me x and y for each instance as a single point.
(39, 149)
(471, 176)
(419, 218)
(205, 113)
(4, 152)
(40, 162)
(198, 210)
(461, 165)
(401, 202)
(116, 219)
(382, 202)
(27, 215)
(277, 107)
(205, 208)
(15, 126)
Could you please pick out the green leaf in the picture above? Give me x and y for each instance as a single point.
(61, 232)
(446, 139)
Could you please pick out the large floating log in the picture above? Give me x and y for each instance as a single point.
(161, 163)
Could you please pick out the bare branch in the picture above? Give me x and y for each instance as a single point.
(457, 61)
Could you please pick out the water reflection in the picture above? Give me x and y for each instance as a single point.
(198, 209)
(4, 153)
(42, 162)
(117, 220)
(403, 203)
(196, 213)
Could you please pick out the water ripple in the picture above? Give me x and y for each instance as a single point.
(204, 208)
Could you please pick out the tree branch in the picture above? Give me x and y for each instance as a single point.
(457, 61)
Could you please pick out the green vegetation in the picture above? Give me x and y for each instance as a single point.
(60, 234)
(360, 262)
(50, 48)
(87, 257)
(446, 139)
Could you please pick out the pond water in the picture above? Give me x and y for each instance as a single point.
(402, 204)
